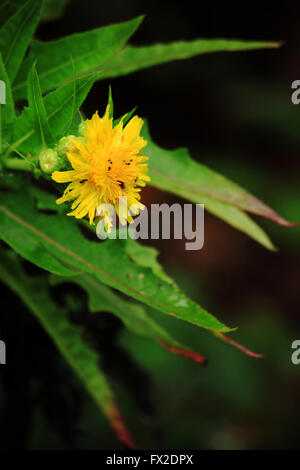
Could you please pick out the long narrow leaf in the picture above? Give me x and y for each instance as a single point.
(134, 58)
(134, 316)
(86, 51)
(58, 237)
(176, 172)
(67, 337)
(38, 115)
(130, 59)
(7, 110)
(60, 106)
(16, 34)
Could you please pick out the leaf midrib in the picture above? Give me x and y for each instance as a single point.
(197, 191)
(174, 55)
(78, 258)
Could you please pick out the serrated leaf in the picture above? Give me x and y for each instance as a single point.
(7, 110)
(134, 58)
(38, 115)
(44, 238)
(87, 50)
(67, 338)
(16, 34)
(60, 106)
(134, 316)
(146, 256)
(176, 172)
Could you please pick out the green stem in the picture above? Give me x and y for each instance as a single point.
(17, 164)
(0, 128)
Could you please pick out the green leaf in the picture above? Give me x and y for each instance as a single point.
(126, 117)
(87, 50)
(38, 115)
(133, 58)
(43, 239)
(176, 172)
(7, 110)
(8, 9)
(134, 317)
(67, 338)
(44, 200)
(11, 179)
(239, 220)
(60, 106)
(16, 34)
(146, 256)
(110, 102)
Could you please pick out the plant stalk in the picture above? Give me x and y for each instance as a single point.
(17, 164)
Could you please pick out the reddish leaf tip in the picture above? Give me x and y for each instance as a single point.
(283, 222)
(270, 214)
(290, 224)
(238, 346)
(255, 206)
(185, 352)
(116, 422)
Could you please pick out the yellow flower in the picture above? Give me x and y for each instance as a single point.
(107, 164)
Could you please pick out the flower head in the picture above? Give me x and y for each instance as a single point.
(106, 164)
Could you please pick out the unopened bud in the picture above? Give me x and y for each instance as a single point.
(65, 145)
(49, 161)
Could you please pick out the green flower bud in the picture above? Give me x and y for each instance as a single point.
(65, 145)
(81, 128)
(49, 161)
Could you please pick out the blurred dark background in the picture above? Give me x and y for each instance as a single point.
(234, 112)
